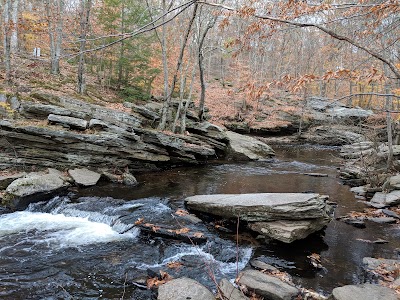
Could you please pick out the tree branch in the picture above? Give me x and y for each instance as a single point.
(331, 33)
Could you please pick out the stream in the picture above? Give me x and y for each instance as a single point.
(85, 245)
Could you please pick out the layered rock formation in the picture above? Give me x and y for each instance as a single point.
(282, 216)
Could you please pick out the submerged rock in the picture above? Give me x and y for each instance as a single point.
(282, 216)
(363, 292)
(267, 286)
(183, 289)
(248, 148)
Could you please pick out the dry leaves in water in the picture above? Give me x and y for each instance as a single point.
(181, 212)
(174, 265)
(139, 221)
(315, 260)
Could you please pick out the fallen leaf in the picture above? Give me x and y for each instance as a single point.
(139, 221)
(181, 212)
(174, 265)
(182, 230)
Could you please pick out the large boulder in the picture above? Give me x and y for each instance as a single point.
(244, 147)
(183, 289)
(282, 216)
(267, 286)
(363, 292)
(32, 187)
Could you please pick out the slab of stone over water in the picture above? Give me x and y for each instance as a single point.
(261, 207)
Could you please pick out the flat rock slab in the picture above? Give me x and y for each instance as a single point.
(363, 292)
(244, 147)
(184, 289)
(267, 286)
(84, 177)
(69, 122)
(261, 207)
(382, 199)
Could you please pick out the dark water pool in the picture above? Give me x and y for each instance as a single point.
(85, 245)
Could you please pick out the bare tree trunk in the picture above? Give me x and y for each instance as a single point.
(389, 126)
(167, 101)
(14, 27)
(122, 48)
(55, 23)
(84, 17)
(7, 40)
(201, 68)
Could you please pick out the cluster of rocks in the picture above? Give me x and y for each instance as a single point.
(23, 188)
(280, 216)
(320, 120)
(266, 281)
(91, 135)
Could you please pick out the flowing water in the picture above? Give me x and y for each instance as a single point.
(86, 246)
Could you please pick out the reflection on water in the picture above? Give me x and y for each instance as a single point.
(72, 247)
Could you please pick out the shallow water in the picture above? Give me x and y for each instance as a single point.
(86, 246)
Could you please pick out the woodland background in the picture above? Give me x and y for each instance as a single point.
(238, 58)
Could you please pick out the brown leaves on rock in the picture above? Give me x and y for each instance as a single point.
(157, 281)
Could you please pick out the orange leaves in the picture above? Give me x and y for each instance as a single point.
(181, 212)
(153, 227)
(174, 265)
(179, 231)
(157, 281)
(139, 221)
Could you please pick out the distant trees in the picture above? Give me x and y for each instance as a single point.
(172, 48)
